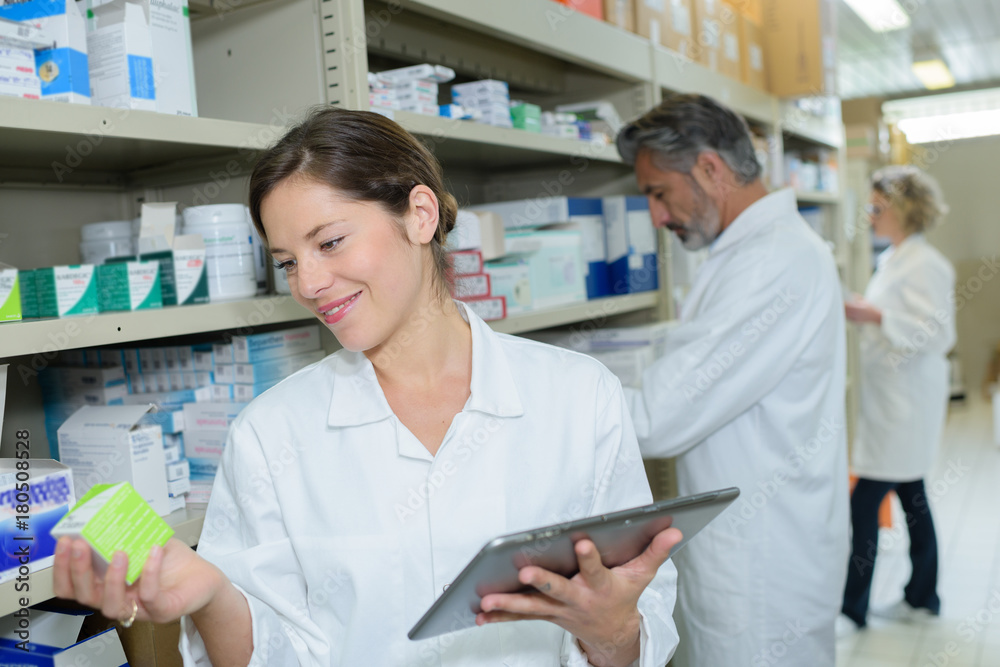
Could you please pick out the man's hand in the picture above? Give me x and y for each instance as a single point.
(597, 606)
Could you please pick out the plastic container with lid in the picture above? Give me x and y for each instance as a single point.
(229, 252)
(102, 240)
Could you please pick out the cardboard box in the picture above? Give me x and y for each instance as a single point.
(555, 259)
(173, 62)
(730, 56)
(64, 68)
(129, 286)
(10, 294)
(510, 277)
(632, 244)
(66, 290)
(106, 444)
(672, 20)
(620, 13)
(707, 28)
(120, 48)
(478, 230)
(102, 650)
(115, 517)
(489, 308)
(800, 47)
(47, 488)
(593, 8)
(285, 343)
(469, 287)
(29, 294)
(752, 70)
(466, 262)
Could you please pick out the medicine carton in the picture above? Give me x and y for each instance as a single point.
(488, 308)
(285, 343)
(173, 62)
(116, 517)
(468, 287)
(10, 294)
(244, 393)
(555, 259)
(273, 369)
(426, 72)
(631, 245)
(102, 650)
(120, 46)
(29, 294)
(66, 290)
(129, 286)
(109, 444)
(510, 278)
(210, 416)
(190, 272)
(46, 487)
(63, 68)
(522, 213)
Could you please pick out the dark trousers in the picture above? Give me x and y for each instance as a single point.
(921, 592)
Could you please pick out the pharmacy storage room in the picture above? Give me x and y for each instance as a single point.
(462, 333)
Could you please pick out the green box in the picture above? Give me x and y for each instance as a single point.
(29, 294)
(527, 116)
(190, 269)
(10, 294)
(168, 281)
(114, 517)
(66, 290)
(129, 286)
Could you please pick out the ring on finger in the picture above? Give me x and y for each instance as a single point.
(127, 623)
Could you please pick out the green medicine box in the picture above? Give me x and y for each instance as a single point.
(129, 286)
(66, 290)
(114, 517)
(29, 294)
(527, 116)
(10, 294)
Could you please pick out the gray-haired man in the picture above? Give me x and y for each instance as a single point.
(750, 394)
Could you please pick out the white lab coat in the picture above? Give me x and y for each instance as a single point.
(341, 529)
(751, 394)
(904, 370)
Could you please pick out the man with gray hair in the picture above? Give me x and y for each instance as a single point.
(749, 394)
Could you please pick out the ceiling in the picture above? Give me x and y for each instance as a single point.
(966, 32)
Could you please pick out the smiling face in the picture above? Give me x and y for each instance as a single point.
(678, 203)
(351, 264)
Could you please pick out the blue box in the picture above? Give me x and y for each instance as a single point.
(632, 245)
(50, 495)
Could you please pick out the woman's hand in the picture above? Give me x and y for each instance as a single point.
(175, 581)
(861, 311)
(597, 606)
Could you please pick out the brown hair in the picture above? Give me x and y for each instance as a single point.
(367, 158)
(914, 194)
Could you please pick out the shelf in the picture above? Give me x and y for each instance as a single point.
(817, 197)
(681, 75)
(828, 132)
(596, 310)
(549, 28)
(40, 336)
(467, 143)
(34, 134)
(187, 528)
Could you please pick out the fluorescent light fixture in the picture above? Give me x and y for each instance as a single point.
(934, 74)
(950, 127)
(881, 15)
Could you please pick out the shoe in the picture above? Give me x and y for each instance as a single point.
(904, 613)
(845, 627)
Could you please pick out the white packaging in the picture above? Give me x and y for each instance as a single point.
(100, 241)
(202, 360)
(222, 353)
(173, 63)
(273, 369)
(200, 445)
(63, 65)
(511, 278)
(47, 487)
(209, 416)
(177, 503)
(229, 253)
(152, 360)
(20, 35)
(15, 60)
(172, 454)
(284, 343)
(120, 51)
(436, 73)
(178, 470)
(108, 444)
(483, 88)
(221, 393)
(179, 486)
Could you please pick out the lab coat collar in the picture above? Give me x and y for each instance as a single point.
(358, 398)
(766, 210)
(895, 251)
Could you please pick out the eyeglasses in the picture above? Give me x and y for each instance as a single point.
(873, 210)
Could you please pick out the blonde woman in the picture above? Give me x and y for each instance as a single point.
(907, 325)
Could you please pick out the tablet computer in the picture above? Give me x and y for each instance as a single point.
(619, 537)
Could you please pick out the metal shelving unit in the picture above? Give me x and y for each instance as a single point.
(817, 197)
(187, 528)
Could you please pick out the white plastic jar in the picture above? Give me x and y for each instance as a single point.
(229, 255)
(102, 240)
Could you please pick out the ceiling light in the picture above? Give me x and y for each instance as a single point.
(951, 127)
(881, 15)
(934, 74)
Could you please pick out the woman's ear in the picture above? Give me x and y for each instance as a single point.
(422, 222)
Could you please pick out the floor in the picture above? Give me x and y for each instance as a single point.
(963, 494)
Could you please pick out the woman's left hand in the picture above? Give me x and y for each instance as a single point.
(861, 311)
(597, 606)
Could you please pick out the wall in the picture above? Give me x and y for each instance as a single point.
(970, 238)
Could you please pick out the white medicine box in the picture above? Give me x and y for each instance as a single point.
(120, 46)
(112, 443)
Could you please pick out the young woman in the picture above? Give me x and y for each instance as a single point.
(907, 319)
(352, 493)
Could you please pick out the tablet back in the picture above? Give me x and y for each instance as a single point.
(619, 537)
